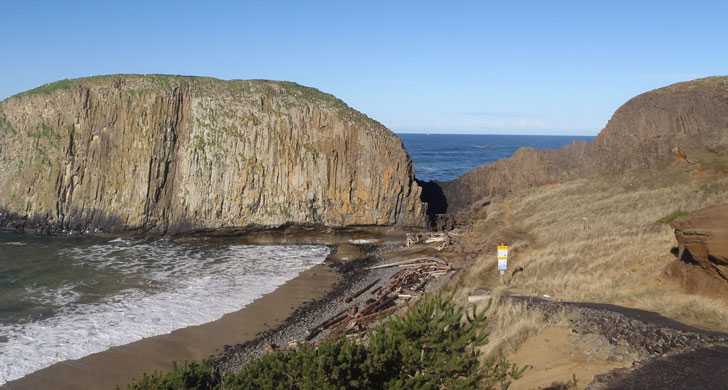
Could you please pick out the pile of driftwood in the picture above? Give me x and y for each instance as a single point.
(414, 274)
(440, 241)
(406, 283)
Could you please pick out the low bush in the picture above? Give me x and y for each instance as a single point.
(675, 215)
(433, 346)
(195, 375)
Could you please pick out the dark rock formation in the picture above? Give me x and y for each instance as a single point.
(169, 153)
(702, 368)
(690, 118)
(433, 196)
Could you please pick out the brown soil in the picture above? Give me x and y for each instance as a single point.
(702, 238)
(557, 355)
(694, 279)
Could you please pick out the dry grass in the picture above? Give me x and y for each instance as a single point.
(510, 323)
(598, 240)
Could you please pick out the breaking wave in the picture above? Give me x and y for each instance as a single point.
(166, 286)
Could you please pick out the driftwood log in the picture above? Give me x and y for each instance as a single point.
(403, 285)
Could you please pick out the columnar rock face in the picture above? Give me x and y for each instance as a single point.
(168, 153)
(686, 119)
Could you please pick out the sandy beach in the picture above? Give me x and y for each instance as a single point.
(118, 366)
(285, 314)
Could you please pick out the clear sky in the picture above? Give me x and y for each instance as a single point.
(553, 67)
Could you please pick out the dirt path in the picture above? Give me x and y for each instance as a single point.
(674, 355)
(557, 355)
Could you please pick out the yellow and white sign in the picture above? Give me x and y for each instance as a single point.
(503, 258)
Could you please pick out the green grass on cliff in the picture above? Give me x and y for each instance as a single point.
(310, 93)
(276, 96)
(171, 81)
(51, 87)
(434, 346)
(163, 81)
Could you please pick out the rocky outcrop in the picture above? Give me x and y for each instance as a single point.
(168, 154)
(702, 238)
(686, 119)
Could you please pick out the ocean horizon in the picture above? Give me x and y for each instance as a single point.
(444, 157)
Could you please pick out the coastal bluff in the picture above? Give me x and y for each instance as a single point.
(170, 154)
(686, 121)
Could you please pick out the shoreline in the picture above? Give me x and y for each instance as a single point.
(284, 315)
(357, 289)
(297, 328)
(119, 366)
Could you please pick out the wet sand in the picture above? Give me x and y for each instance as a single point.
(120, 365)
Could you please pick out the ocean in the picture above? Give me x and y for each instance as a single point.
(67, 297)
(64, 298)
(443, 157)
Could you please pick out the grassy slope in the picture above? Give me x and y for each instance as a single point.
(602, 241)
(599, 240)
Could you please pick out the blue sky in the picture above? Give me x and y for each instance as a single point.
(540, 67)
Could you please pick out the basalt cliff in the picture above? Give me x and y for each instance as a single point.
(169, 154)
(687, 121)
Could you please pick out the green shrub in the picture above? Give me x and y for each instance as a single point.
(434, 346)
(195, 375)
(675, 215)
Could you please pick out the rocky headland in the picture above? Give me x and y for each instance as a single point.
(631, 225)
(591, 226)
(169, 154)
(686, 121)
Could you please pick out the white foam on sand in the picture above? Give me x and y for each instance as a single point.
(190, 287)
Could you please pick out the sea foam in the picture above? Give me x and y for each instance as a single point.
(186, 286)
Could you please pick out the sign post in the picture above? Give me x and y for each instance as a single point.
(503, 258)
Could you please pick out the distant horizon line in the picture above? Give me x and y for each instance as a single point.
(455, 132)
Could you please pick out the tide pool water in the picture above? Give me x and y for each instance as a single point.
(66, 298)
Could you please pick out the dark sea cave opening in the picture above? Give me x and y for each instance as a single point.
(433, 195)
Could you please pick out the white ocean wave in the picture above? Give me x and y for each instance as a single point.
(62, 296)
(195, 286)
(14, 243)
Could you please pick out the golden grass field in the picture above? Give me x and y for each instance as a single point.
(598, 240)
(604, 239)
